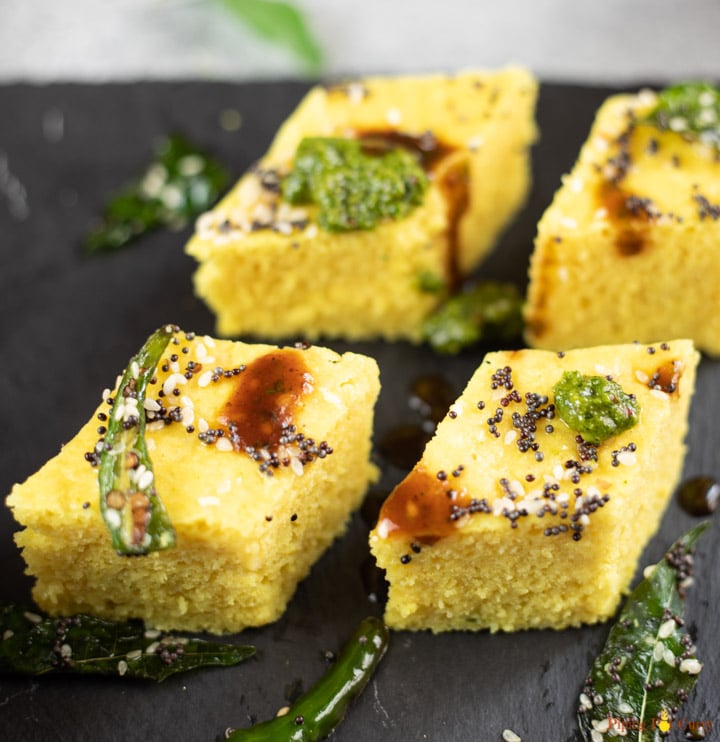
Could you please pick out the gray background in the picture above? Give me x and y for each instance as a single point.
(613, 41)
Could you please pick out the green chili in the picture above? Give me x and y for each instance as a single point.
(318, 712)
(135, 516)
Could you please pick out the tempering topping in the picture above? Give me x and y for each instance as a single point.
(691, 109)
(426, 507)
(257, 418)
(594, 406)
(353, 188)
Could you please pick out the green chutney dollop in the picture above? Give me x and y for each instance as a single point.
(594, 406)
(691, 109)
(354, 189)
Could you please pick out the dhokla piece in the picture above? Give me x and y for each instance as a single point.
(628, 249)
(513, 520)
(269, 268)
(260, 454)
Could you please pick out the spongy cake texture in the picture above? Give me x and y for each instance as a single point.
(247, 530)
(267, 268)
(628, 250)
(509, 521)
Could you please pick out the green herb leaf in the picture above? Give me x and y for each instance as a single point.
(594, 406)
(430, 283)
(648, 665)
(691, 109)
(280, 23)
(177, 186)
(129, 503)
(35, 644)
(354, 189)
(490, 311)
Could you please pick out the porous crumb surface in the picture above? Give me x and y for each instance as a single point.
(511, 520)
(260, 454)
(267, 268)
(628, 248)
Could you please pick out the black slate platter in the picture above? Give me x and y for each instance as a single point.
(68, 324)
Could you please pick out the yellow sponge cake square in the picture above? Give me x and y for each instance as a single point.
(521, 513)
(273, 264)
(628, 249)
(259, 454)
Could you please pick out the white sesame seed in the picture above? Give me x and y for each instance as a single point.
(678, 123)
(152, 633)
(207, 501)
(154, 180)
(175, 367)
(191, 165)
(297, 466)
(355, 92)
(510, 437)
(134, 654)
(668, 657)
(152, 648)
(205, 223)
(172, 196)
(223, 444)
(204, 378)
(8, 634)
(151, 405)
(666, 628)
(602, 725)
(282, 711)
(66, 651)
(188, 415)
(706, 99)
(627, 458)
(113, 518)
(658, 650)
(32, 617)
(641, 376)
(659, 394)
(119, 411)
(596, 736)
(474, 143)
(585, 701)
(687, 583)
(203, 426)
(154, 427)
(509, 736)
(145, 480)
(122, 667)
(691, 665)
(625, 708)
(648, 571)
(135, 369)
(394, 116)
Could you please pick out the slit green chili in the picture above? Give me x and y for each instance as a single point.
(323, 707)
(129, 503)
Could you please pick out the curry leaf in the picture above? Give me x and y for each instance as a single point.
(648, 666)
(33, 644)
(280, 23)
